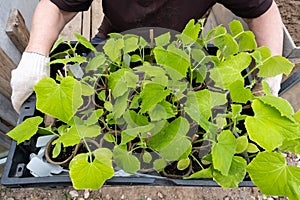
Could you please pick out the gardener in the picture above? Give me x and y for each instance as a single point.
(262, 17)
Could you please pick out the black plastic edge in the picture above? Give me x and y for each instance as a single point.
(27, 110)
(289, 82)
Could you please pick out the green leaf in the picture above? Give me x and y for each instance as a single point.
(282, 105)
(115, 35)
(162, 110)
(96, 63)
(236, 27)
(238, 62)
(57, 42)
(242, 144)
(220, 121)
(126, 60)
(134, 120)
(229, 71)
(86, 89)
(112, 49)
(223, 152)
(94, 117)
(151, 95)
(268, 128)
(183, 163)
(130, 44)
(239, 93)
(200, 74)
(226, 44)
(120, 81)
(82, 40)
(58, 100)
(297, 116)
(102, 153)
(201, 61)
(78, 132)
(178, 88)
(90, 175)
(252, 148)
(178, 148)
(166, 134)
(236, 110)
(120, 105)
(275, 65)
(225, 76)
(77, 59)
(247, 41)
(190, 33)
(135, 58)
(236, 173)
(291, 146)
(256, 55)
(125, 160)
(101, 95)
(269, 171)
(207, 159)
(163, 39)
(46, 131)
(217, 99)
(147, 157)
(198, 115)
(158, 127)
(108, 106)
(172, 142)
(159, 164)
(218, 31)
(204, 101)
(26, 129)
(62, 129)
(57, 148)
(157, 74)
(202, 174)
(131, 133)
(266, 88)
(199, 55)
(109, 138)
(264, 53)
(143, 43)
(173, 58)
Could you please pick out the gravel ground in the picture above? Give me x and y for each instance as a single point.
(135, 193)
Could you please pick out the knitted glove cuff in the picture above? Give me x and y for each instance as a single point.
(35, 63)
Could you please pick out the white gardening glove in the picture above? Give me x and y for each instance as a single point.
(274, 84)
(30, 70)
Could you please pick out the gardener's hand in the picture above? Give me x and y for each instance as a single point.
(30, 70)
(274, 84)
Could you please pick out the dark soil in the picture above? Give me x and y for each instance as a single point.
(64, 154)
(290, 13)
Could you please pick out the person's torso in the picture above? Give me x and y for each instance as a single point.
(172, 14)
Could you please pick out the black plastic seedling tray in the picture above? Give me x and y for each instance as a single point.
(16, 174)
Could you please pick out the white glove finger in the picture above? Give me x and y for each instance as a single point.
(274, 84)
(19, 97)
(30, 70)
